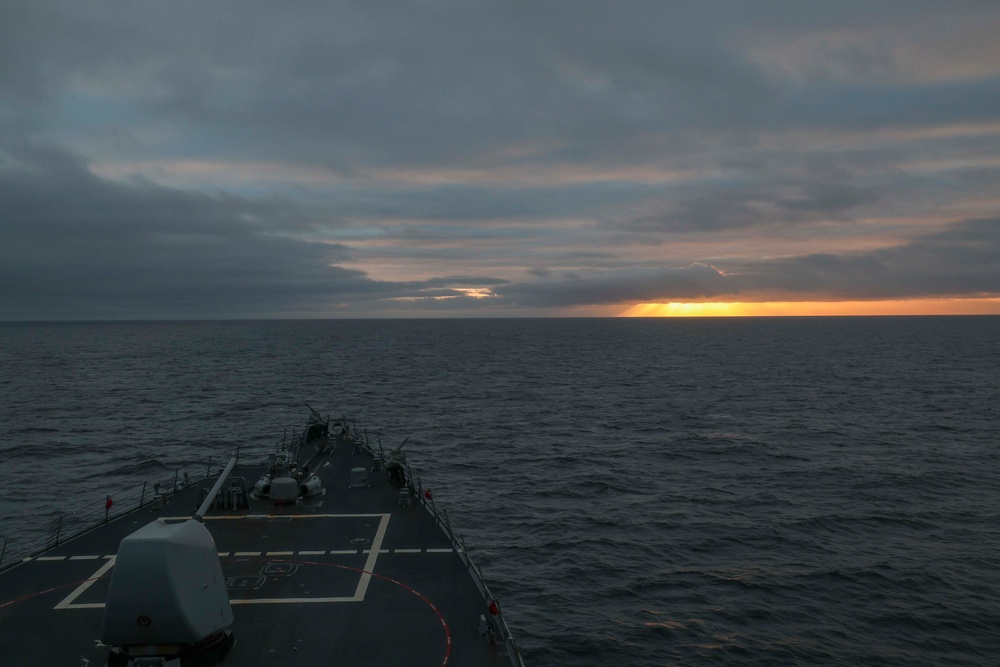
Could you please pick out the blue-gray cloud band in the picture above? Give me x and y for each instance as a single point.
(135, 250)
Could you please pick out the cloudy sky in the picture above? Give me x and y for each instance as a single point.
(425, 158)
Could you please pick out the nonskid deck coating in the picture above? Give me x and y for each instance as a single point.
(361, 568)
(314, 583)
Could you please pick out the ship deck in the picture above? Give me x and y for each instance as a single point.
(350, 577)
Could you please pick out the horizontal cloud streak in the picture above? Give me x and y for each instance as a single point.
(962, 260)
(252, 160)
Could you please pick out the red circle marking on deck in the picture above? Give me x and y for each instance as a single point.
(406, 587)
(49, 590)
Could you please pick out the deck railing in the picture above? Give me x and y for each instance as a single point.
(69, 525)
(458, 544)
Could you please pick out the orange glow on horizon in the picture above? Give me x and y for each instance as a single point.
(816, 308)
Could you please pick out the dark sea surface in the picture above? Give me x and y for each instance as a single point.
(815, 491)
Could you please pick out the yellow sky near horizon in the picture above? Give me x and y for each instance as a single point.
(982, 306)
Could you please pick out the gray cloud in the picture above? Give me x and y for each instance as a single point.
(110, 250)
(250, 159)
(752, 206)
(960, 260)
(427, 83)
(694, 282)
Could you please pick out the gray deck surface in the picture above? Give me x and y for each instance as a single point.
(348, 578)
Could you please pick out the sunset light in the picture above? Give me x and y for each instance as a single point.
(816, 308)
(549, 182)
(431, 220)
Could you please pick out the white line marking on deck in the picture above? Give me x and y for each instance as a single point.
(279, 516)
(67, 602)
(362, 589)
(289, 600)
(51, 558)
(439, 551)
(279, 553)
(84, 557)
(343, 552)
(359, 594)
(408, 551)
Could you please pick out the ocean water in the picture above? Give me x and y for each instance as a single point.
(818, 491)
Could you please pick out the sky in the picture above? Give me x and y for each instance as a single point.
(252, 159)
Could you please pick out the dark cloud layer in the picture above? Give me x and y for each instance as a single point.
(250, 159)
(962, 260)
(107, 250)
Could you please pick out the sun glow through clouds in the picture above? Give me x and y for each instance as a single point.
(473, 292)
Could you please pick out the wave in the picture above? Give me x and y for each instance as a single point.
(640, 493)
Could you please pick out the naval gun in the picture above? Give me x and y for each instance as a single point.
(167, 602)
(394, 463)
(317, 429)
